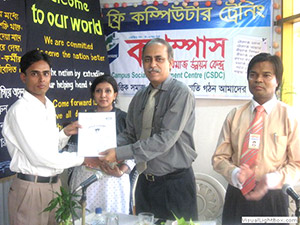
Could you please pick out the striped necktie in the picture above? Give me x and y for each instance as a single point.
(251, 146)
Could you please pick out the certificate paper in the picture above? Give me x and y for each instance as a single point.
(98, 132)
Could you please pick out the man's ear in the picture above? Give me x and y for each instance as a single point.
(23, 77)
(171, 62)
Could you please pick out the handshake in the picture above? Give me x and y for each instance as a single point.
(107, 163)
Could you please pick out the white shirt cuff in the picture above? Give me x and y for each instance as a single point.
(234, 178)
(273, 179)
(62, 134)
(63, 139)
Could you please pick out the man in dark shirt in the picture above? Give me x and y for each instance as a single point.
(167, 183)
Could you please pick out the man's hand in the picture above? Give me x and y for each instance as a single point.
(113, 171)
(92, 162)
(245, 172)
(72, 128)
(259, 191)
(108, 156)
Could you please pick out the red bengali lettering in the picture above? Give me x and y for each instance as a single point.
(187, 44)
(139, 44)
(217, 64)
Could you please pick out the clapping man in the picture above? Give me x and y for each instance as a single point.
(259, 147)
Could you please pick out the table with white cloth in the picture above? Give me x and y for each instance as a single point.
(133, 220)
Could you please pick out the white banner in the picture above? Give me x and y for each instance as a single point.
(212, 49)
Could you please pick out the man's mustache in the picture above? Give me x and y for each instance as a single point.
(154, 70)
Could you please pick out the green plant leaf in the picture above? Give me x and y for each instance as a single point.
(191, 222)
(182, 221)
(52, 204)
(64, 204)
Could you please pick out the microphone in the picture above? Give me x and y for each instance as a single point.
(288, 190)
(89, 181)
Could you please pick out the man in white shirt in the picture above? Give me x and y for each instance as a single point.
(33, 141)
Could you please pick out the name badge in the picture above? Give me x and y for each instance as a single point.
(254, 141)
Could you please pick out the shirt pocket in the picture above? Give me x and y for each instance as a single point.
(280, 146)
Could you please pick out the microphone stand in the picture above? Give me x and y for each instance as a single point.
(83, 205)
(297, 211)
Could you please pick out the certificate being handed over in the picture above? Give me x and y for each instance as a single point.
(98, 132)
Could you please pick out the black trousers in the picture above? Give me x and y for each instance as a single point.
(174, 192)
(274, 203)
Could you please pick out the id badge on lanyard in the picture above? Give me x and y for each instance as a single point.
(254, 141)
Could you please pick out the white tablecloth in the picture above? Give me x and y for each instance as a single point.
(132, 220)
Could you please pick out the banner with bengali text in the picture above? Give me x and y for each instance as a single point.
(212, 44)
(12, 47)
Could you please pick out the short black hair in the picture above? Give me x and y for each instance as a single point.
(273, 59)
(160, 41)
(104, 78)
(31, 57)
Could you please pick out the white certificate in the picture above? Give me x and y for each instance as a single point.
(98, 132)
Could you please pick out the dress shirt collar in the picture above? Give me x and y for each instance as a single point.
(30, 98)
(268, 106)
(164, 86)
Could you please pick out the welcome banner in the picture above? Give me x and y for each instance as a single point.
(71, 33)
(212, 44)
